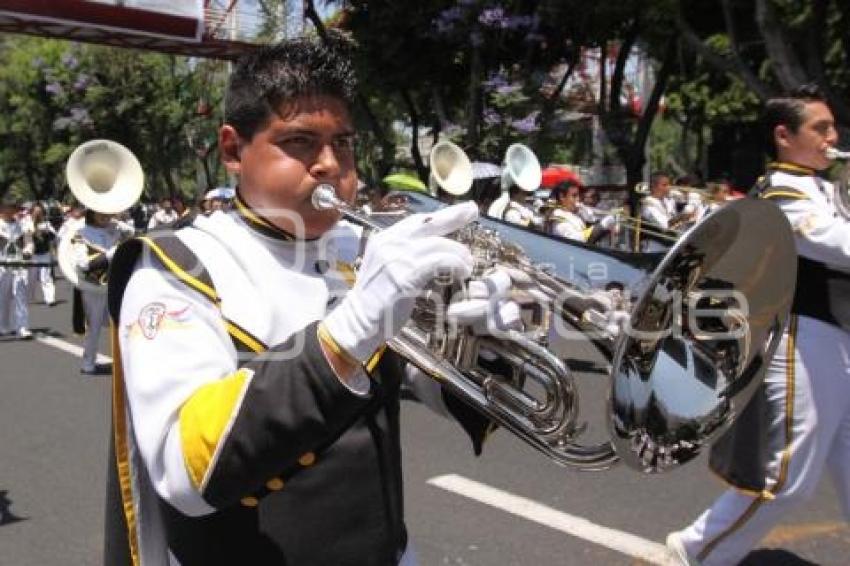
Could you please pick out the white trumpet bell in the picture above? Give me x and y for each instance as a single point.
(451, 169)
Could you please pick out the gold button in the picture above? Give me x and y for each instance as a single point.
(307, 459)
(249, 501)
(275, 484)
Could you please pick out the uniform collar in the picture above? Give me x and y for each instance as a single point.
(791, 168)
(258, 222)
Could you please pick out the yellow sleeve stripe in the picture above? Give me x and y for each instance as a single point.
(205, 420)
(783, 194)
(372, 362)
(329, 341)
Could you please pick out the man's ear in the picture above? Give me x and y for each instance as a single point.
(229, 144)
(781, 136)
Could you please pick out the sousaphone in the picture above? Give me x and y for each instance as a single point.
(106, 177)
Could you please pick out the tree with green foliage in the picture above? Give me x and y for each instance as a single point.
(58, 94)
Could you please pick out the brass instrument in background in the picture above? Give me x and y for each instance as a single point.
(105, 177)
(670, 392)
(842, 182)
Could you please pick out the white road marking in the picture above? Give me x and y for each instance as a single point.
(620, 541)
(68, 347)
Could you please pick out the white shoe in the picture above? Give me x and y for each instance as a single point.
(678, 554)
(24, 333)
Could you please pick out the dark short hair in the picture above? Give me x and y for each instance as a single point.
(787, 111)
(564, 186)
(275, 74)
(655, 177)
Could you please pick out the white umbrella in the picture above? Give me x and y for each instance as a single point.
(224, 193)
(484, 170)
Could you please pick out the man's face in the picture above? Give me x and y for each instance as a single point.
(808, 144)
(661, 188)
(166, 205)
(308, 143)
(569, 199)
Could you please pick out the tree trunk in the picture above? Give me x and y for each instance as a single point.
(421, 168)
(785, 64)
(474, 102)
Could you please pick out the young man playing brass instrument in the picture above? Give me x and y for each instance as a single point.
(807, 385)
(257, 409)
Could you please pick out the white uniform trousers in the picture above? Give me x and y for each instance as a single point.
(43, 276)
(94, 305)
(809, 382)
(14, 311)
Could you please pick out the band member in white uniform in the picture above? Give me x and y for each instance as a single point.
(15, 246)
(43, 237)
(565, 219)
(94, 245)
(258, 411)
(807, 386)
(166, 214)
(517, 212)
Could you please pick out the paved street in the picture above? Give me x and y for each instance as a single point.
(53, 440)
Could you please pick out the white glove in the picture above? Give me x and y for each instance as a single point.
(608, 222)
(689, 208)
(489, 309)
(397, 264)
(111, 252)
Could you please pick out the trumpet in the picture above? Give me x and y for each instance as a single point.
(670, 393)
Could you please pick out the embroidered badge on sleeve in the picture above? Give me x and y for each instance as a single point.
(155, 316)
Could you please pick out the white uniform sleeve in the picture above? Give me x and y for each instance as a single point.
(172, 342)
(820, 235)
(654, 214)
(567, 230)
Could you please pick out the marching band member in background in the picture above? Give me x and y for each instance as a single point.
(94, 244)
(258, 410)
(807, 385)
(517, 212)
(44, 235)
(166, 214)
(15, 246)
(565, 219)
(721, 191)
(658, 210)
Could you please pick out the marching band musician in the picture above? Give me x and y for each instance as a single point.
(517, 212)
(658, 210)
(94, 244)
(166, 214)
(806, 411)
(43, 237)
(15, 246)
(565, 219)
(258, 411)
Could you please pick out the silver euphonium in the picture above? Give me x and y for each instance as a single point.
(842, 180)
(686, 334)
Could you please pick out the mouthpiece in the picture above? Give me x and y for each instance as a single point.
(837, 154)
(324, 198)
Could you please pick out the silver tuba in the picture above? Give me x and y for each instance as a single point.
(106, 177)
(687, 335)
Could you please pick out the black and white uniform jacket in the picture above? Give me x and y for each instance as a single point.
(822, 236)
(234, 440)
